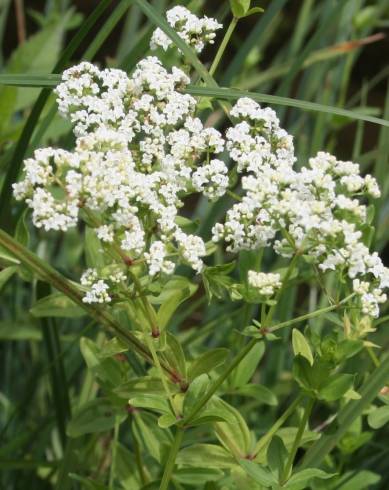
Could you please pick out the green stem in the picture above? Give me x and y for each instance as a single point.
(297, 441)
(157, 363)
(219, 381)
(262, 443)
(167, 474)
(285, 280)
(154, 332)
(101, 314)
(373, 357)
(234, 196)
(313, 314)
(223, 45)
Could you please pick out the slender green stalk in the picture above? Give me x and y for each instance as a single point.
(297, 440)
(232, 94)
(48, 274)
(167, 474)
(373, 357)
(219, 381)
(223, 45)
(234, 196)
(285, 280)
(154, 331)
(313, 314)
(216, 92)
(263, 442)
(157, 363)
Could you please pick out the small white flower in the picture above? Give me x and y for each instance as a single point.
(156, 259)
(266, 283)
(105, 233)
(197, 32)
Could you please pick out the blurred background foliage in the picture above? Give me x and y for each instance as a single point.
(334, 52)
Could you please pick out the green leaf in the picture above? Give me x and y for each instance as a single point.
(22, 234)
(6, 274)
(175, 355)
(208, 361)
(197, 476)
(7, 258)
(310, 378)
(277, 456)
(348, 414)
(257, 391)
(151, 402)
(112, 347)
(167, 420)
(247, 367)
(357, 480)
(254, 10)
(239, 8)
(56, 305)
(141, 385)
(94, 253)
(196, 388)
(205, 456)
(336, 387)
(186, 224)
(97, 415)
(177, 292)
(152, 438)
(126, 469)
(258, 473)
(216, 280)
(378, 417)
(301, 346)
(108, 370)
(234, 434)
(87, 483)
(300, 479)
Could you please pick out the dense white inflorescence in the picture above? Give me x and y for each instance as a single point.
(196, 32)
(140, 149)
(266, 283)
(315, 211)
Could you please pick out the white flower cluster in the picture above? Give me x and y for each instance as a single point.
(98, 288)
(194, 31)
(315, 211)
(266, 283)
(138, 149)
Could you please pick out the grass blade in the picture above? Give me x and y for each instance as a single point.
(217, 93)
(232, 94)
(57, 371)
